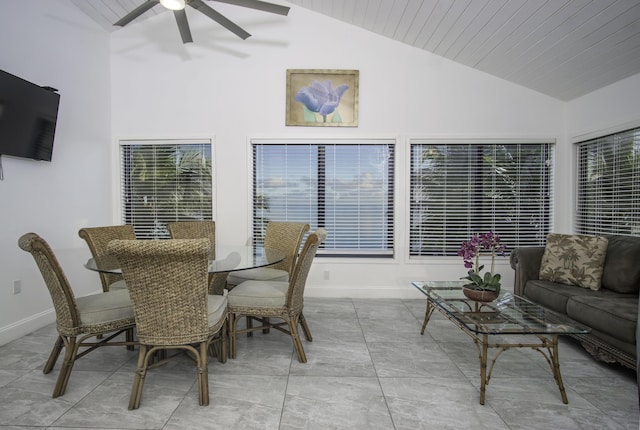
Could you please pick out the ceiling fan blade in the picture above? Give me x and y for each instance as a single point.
(183, 25)
(219, 18)
(258, 5)
(136, 12)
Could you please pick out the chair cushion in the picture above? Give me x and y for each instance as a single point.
(217, 307)
(105, 307)
(574, 260)
(259, 274)
(259, 294)
(118, 285)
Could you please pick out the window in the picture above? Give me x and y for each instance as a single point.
(608, 195)
(161, 181)
(345, 186)
(461, 188)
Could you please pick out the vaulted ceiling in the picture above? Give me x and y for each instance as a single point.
(562, 48)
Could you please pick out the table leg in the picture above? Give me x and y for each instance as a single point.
(484, 349)
(427, 314)
(555, 368)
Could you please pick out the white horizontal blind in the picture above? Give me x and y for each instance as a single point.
(345, 186)
(459, 189)
(162, 181)
(608, 197)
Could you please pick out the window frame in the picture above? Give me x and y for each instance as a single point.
(447, 253)
(391, 177)
(602, 142)
(119, 180)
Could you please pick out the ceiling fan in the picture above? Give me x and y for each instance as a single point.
(178, 7)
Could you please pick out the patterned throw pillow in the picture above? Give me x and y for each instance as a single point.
(574, 260)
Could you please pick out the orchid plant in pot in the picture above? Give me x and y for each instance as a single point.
(482, 244)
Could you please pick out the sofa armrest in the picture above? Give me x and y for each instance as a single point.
(526, 263)
(638, 352)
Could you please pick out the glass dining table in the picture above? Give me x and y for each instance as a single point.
(223, 259)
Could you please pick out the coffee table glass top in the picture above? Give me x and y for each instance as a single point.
(508, 314)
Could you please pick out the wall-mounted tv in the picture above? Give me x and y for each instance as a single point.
(28, 117)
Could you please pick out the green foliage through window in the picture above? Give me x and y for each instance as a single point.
(164, 182)
(459, 189)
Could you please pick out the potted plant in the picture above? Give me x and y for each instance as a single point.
(481, 287)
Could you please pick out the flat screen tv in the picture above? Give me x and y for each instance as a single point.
(28, 116)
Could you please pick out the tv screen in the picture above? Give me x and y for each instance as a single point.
(28, 116)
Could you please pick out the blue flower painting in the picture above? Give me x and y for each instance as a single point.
(321, 98)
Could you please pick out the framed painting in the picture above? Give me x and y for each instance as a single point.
(322, 98)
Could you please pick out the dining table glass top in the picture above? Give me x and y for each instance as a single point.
(223, 258)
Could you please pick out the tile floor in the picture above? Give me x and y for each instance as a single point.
(368, 368)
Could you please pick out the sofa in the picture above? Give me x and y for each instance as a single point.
(607, 302)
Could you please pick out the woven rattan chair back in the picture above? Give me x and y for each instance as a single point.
(193, 230)
(286, 237)
(167, 281)
(200, 230)
(298, 280)
(106, 313)
(64, 301)
(98, 238)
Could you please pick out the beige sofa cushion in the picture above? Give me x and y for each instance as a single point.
(574, 260)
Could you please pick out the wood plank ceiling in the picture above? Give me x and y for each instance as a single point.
(562, 48)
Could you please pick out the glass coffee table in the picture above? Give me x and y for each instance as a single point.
(507, 315)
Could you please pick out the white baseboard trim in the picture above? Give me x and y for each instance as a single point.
(363, 293)
(25, 326)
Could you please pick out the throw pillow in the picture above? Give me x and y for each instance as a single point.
(574, 260)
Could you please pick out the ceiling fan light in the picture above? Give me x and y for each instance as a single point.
(173, 4)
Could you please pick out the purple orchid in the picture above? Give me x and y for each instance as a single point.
(321, 98)
(470, 252)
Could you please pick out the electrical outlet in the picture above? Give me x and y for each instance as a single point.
(17, 287)
(327, 275)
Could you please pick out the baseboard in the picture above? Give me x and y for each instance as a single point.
(363, 293)
(26, 326)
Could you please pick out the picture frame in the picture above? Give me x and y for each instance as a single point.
(311, 96)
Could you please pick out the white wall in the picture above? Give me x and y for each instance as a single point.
(610, 109)
(52, 43)
(143, 82)
(231, 89)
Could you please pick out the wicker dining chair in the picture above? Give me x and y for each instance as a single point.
(78, 319)
(98, 238)
(262, 300)
(167, 281)
(283, 236)
(198, 230)
(193, 230)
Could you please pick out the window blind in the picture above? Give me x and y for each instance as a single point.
(345, 186)
(462, 188)
(608, 191)
(162, 181)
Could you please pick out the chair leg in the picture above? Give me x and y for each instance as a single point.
(295, 337)
(266, 321)
(249, 322)
(232, 335)
(71, 349)
(129, 338)
(305, 328)
(53, 357)
(203, 375)
(224, 335)
(138, 380)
